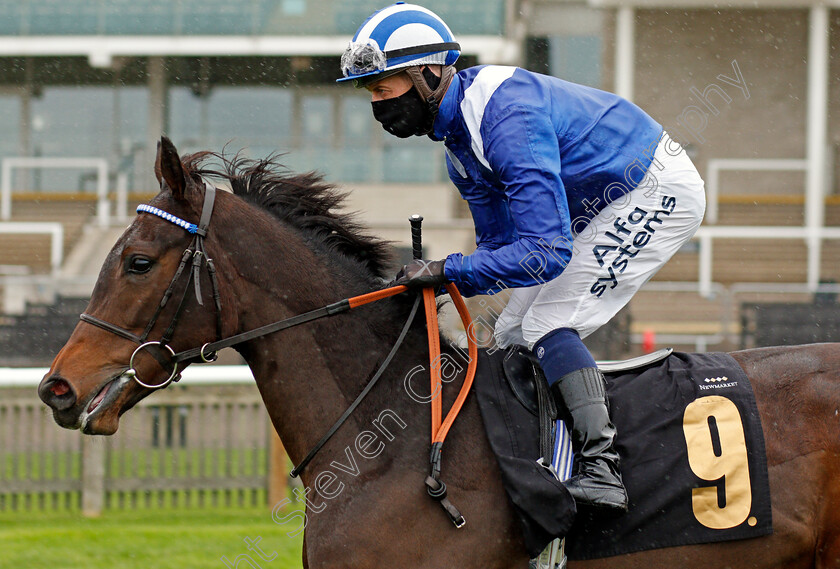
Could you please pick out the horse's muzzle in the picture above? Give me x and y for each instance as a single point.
(57, 392)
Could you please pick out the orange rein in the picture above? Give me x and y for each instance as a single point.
(466, 319)
(363, 299)
(440, 427)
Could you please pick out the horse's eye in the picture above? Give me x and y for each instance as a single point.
(138, 265)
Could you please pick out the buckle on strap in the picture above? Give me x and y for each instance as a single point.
(437, 490)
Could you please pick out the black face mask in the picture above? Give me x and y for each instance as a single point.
(404, 116)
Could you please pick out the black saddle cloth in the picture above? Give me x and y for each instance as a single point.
(681, 422)
(543, 506)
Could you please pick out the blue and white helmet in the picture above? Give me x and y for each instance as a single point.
(396, 37)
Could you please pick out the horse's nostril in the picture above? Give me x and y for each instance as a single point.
(57, 393)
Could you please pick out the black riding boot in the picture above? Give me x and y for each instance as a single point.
(598, 481)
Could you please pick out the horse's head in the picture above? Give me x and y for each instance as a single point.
(90, 383)
(279, 244)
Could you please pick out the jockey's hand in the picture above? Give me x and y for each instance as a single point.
(420, 273)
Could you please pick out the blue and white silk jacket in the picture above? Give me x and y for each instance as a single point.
(536, 158)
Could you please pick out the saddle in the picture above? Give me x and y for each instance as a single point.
(525, 377)
(665, 406)
(528, 383)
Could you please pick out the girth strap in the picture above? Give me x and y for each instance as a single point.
(547, 414)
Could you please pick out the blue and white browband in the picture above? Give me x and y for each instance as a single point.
(145, 208)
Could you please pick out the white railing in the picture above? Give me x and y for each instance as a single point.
(18, 289)
(728, 302)
(54, 229)
(203, 375)
(813, 231)
(30, 163)
(707, 233)
(188, 426)
(701, 342)
(718, 165)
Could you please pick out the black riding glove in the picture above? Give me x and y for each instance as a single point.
(420, 274)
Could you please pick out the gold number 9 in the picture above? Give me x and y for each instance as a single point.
(730, 466)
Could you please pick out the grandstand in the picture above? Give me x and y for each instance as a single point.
(84, 80)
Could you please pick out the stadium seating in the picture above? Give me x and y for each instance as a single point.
(35, 337)
(671, 313)
(32, 252)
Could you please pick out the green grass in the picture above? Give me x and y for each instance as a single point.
(31, 464)
(161, 538)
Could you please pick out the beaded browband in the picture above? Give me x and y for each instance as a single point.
(190, 227)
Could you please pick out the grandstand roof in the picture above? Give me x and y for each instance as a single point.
(225, 17)
(102, 31)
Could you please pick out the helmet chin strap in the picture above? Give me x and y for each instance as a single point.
(432, 97)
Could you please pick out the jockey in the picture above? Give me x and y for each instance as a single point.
(578, 198)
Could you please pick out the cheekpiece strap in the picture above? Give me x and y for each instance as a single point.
(207, 209)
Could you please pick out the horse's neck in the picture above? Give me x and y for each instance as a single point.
(308, 375)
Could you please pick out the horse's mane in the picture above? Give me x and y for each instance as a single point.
(304, 201)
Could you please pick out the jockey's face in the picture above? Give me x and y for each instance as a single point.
(390, 87)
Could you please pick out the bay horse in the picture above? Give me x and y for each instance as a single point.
(281, 248)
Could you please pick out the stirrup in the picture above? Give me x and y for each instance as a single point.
(552, 557)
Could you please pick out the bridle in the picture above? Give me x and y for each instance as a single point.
(199, 257)
(207, 352)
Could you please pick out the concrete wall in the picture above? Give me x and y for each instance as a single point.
(834, 100)
(678, 50)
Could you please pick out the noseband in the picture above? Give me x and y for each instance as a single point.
(196, 252)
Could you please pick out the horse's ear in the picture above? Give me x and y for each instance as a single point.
(158, 174)
(168, 168)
